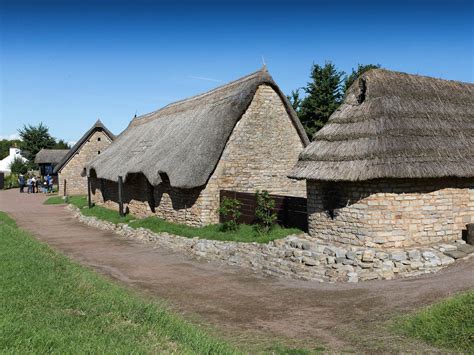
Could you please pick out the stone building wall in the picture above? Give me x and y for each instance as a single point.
(390, 213)
(72, 172)
(260, 153)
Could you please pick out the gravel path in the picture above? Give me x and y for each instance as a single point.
(243, 306)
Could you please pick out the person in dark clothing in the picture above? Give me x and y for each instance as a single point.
(21, 182)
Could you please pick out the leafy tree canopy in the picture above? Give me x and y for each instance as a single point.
(6, 144)
(18, 166)
(61, 144)
(35, 138)
(324, 93)
(323, 96)
(361, 68)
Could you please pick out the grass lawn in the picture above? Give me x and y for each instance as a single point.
(50, 304)
(448, 324)
(245, 233)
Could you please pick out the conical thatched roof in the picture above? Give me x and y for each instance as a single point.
(395, 125)
(98, 126)
(50, 156)
(184, 140)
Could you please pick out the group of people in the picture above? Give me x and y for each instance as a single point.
(35, 184)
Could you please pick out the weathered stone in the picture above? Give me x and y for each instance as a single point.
(428, 255)
(351, 255)
(368, 255)
(414, 254)
(329, 251)
(381, 255)
(309, 262)
(398, 255)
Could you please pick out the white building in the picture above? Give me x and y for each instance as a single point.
(5, 163)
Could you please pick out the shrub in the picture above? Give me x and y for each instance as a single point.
(18, 166)
(230, 210)
(10, 181)
(266, 216)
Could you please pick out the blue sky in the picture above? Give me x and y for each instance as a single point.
(67, 63)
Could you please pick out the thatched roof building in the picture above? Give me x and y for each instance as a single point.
(50, 156)
(395, 125)
(394, 165)
(185, 139)
(98, 126)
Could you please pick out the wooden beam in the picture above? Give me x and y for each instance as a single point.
(120, 197)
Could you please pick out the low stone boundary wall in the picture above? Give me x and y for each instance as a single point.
(298, 256)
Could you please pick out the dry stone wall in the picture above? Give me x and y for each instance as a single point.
(302, 257)
(390, 213)
(260, 153)
(72, 172)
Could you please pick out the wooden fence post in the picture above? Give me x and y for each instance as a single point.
(120, 198)
(64, 187)
(89, 198)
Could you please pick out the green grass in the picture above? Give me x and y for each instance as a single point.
(448, 324)
(50, 304)
(55, 200)
(245, 233)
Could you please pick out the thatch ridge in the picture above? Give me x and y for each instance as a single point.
(395, 125)
(184, 140)
(50, 156)
(98, 126)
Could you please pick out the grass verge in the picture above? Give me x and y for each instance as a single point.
(245, 233)
(448, 324)
(50, 304)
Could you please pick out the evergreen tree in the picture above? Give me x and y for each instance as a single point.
(361, 68)
(324, 95)
(62, 144)
(295, 100)
(34, 138)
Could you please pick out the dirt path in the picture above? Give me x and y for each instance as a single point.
(242, 305)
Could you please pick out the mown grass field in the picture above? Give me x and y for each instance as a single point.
(448, 324)
(50, 304)
(245, 233)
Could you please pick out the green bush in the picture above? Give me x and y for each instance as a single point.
(266, 216)
(230, 210)
(10, 181)
(18, 166)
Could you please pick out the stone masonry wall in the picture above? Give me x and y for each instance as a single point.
(390, 213)
(72, 172)
(260, 153)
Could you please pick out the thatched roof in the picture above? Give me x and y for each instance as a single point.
(98, 126)
(184, 140)
(50, 156)
(395, 125)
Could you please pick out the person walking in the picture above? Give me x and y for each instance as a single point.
(49, 179)
(33, 184)
(21, 183)
(28, 184)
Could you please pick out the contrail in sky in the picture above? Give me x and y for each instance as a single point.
(204, 78)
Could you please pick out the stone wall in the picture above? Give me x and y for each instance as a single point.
(390, 213)
(72, 172)
(260, 153)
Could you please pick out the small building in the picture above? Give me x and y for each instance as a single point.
(394, 165)
(71, 168)
(242, 136)
(47, 159)
(14, 153)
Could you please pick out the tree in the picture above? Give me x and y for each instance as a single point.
(35, 138)
(18, 166)
(62, 144)
(361, 68)
(6, 144)
(324, 95)
(295, 99)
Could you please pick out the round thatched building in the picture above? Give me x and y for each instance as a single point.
(394, 166)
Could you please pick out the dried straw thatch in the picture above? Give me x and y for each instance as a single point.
(98, 126)
(50, 156)
(395, 125)
(184, 140)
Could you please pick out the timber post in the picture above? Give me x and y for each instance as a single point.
(89, 199)
(120, 197)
